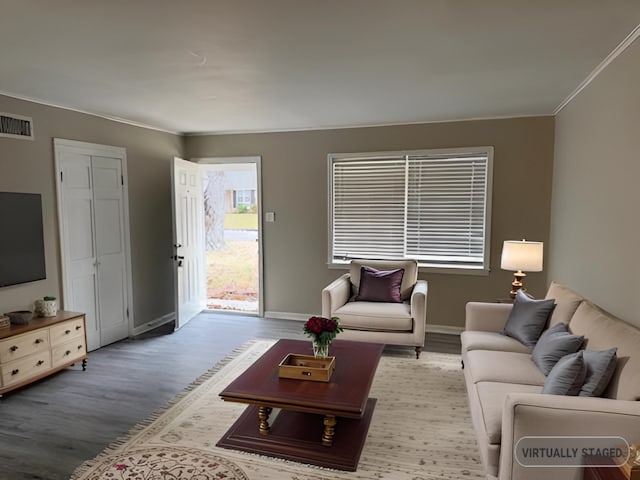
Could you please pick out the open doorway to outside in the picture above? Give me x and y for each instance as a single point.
(232, 234)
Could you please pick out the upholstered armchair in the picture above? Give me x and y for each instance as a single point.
(376, 303)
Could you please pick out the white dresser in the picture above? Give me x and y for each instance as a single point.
(44, 346)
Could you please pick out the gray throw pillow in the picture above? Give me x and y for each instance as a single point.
(554, 344)
(528, 318)
(567, 376)
(600, 367)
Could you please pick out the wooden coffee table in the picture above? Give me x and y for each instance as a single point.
(320, 423)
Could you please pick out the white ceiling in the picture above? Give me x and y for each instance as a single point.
(258, 65)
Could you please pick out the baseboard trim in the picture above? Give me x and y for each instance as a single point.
(153, 324)
(301, 317)
(446, 329)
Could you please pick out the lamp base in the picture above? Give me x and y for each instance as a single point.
(517, 283)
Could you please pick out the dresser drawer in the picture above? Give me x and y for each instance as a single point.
(64, 331)
(20, 346)
(26, 368)
(68, 352)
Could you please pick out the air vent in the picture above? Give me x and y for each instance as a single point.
(16, 126)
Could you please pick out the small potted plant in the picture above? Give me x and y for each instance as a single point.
(49, 306)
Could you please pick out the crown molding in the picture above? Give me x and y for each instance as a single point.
(632, 37)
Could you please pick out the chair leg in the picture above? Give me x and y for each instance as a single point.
(418, 350)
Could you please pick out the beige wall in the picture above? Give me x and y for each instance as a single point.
(294, 176)
(595, 229)
(28, 166)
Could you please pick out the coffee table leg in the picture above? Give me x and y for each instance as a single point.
(263, 415)
(329, 424)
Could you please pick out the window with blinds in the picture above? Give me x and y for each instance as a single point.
(431, 205)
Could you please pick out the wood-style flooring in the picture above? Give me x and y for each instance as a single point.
(49, 428)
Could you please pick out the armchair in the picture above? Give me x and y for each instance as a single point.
(394, 323)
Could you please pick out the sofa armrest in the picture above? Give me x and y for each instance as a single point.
(419, 307)
(529, 414)
(486, 317)
(335, 295)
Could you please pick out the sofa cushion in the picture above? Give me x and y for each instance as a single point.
(409, 278)
(567, 376)
(505, 367)
(375, 316)
(491, 397)
(380, 285)
(527, 318)
(566, 300)
(477, 340)
(600, 367)
(602, 331)
(554, 343)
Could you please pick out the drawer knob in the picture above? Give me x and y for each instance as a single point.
(39, 340)
(40, 362)
(13, 348)
(68, 352)
(15, 372)
(67, 332)
(79, 347)
(78, 327)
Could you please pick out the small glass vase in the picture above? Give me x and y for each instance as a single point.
(320, 350)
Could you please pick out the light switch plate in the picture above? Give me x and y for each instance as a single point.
(270, 216)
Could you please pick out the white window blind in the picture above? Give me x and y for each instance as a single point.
(429, 205)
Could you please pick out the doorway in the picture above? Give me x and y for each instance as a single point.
(233, 242)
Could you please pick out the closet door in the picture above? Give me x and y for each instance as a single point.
(77, 240)
(110, 248)
(93, 232)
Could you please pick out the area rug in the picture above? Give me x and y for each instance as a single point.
(420, 430)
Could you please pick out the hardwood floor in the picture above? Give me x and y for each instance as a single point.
(50, 427)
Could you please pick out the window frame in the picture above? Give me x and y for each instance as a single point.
(487, 151)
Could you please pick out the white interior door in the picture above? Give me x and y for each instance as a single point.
(92, 211)
(80, 280)
(110, 248)
(188, 236)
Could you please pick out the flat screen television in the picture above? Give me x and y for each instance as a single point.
(21, 238)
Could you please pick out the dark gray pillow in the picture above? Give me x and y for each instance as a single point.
(567, 376)
(600, 367)
(554, 344)
(528, 318)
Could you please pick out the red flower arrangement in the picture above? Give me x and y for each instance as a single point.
(322, 331)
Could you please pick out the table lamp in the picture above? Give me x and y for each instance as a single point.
(519, 255)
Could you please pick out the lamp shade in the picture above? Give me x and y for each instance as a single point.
(521, 255)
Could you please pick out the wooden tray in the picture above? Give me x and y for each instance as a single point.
(306, 367)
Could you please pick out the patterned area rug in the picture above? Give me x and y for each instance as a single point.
(420, 430)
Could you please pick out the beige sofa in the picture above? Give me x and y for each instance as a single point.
(391, 323)
(504, 385)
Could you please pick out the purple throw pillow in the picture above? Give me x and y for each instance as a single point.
(380, 285)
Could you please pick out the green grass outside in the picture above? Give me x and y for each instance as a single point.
(241, 221)
(232, 273)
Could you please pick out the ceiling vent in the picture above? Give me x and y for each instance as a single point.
(16, 126)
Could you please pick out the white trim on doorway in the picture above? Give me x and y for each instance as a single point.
(257, 160)
(62, 147)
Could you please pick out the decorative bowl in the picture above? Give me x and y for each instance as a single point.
(20, 317)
